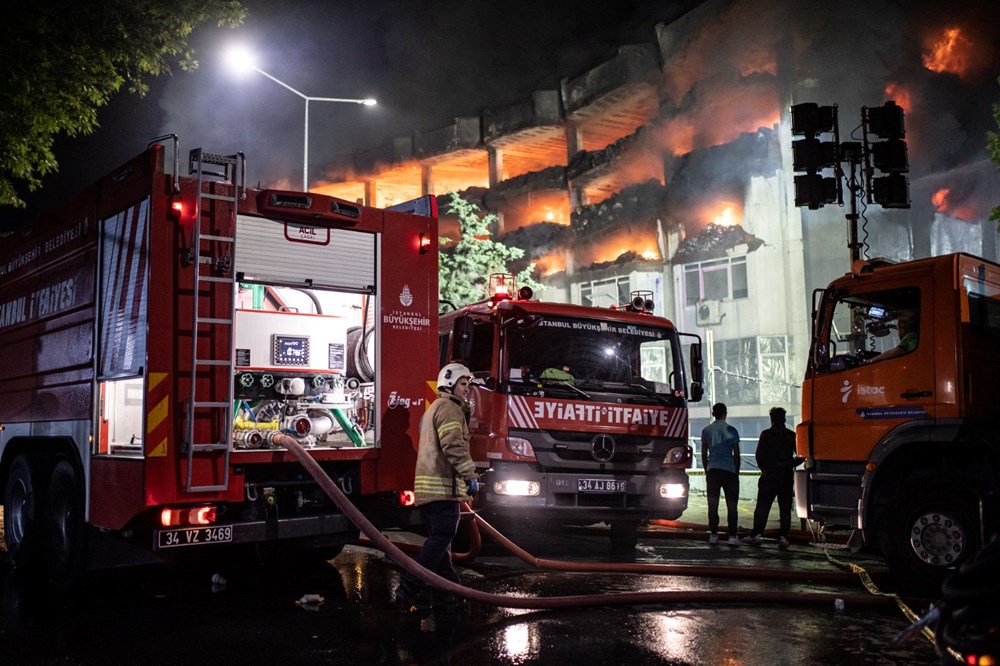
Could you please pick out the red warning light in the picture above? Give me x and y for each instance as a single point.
(176, 208)
(501, 287)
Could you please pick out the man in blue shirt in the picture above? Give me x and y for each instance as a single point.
(720, 458)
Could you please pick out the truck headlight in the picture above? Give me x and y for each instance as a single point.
(672, 490)
(520, 447)
(678, 454)
(517, 488)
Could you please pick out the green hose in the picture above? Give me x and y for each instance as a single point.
(351, 430)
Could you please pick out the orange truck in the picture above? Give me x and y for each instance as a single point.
(580, 413)
(901, 410)
(149, 372)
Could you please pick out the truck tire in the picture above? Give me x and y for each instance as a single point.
(929, 532)
(23, 514)
(624, 534)
(66, 543)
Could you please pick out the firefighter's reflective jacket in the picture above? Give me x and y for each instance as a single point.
(444, 464)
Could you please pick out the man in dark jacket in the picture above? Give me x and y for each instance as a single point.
(445, 476)
(776, 460)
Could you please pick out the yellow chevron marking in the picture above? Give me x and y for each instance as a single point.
(155, 378)
(157, 414)
(160, 451)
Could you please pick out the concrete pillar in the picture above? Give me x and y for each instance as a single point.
(496, 165)
(371, 193)
(426, 179)
(574, 139)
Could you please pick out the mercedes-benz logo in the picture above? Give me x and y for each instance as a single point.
(602, 448)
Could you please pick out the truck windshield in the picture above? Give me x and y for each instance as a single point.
(871, 327)
(597, 354)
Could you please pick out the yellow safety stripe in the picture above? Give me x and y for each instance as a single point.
(446, 427)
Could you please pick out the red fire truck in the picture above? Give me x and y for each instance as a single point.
(900, 412)
(148, 366)
(580, 412)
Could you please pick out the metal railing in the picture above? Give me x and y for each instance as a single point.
(748, 461)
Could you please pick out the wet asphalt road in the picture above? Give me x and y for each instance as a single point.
(176, 615)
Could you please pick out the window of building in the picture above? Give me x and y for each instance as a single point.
(718, 279)
(605, 293)
(752, 371)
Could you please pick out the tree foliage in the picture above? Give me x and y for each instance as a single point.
(466, 265)
(61, 61)
(993, 143)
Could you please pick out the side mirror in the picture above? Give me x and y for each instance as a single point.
(697, 373)
(462, 339)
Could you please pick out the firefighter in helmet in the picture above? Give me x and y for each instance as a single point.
(445, 476)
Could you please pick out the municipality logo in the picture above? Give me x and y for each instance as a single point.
(405, 297)
(845, 391)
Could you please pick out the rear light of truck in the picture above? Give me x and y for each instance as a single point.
(200, 515)
(407, 498)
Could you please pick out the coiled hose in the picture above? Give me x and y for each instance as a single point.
(576, 601)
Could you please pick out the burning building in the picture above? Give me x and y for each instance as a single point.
(668, 168)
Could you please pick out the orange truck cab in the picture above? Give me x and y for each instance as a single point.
(900, 409)
(580, 413)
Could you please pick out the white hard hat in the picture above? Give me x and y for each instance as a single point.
(450, 374)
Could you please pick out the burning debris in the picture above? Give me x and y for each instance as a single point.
(714, 242)
(637, 205)
(540, 239)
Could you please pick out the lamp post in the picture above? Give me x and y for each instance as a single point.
(240, 59)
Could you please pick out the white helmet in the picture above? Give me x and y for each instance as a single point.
(450, 374)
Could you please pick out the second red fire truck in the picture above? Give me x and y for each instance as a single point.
(580, 412)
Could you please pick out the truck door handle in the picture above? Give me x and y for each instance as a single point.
(917, 394)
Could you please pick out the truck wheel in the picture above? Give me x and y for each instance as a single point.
(929, 533)
(22, 514)
(66, 531)
(624, 534)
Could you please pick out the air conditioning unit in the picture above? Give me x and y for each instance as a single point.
(708, 313)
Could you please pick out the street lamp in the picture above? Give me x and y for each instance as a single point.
(241, 60)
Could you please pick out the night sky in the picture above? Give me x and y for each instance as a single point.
(425, 61)
(430, 61)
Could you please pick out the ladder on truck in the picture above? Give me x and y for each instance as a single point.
(213, 256)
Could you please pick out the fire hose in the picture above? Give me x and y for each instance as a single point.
(575, 601)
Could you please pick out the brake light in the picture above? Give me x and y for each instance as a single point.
(407, 498)
(201, 515)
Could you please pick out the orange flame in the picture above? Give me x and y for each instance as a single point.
(551, 263)
(940, 198)
(722, 213)
(610, 248)
(950, 52)
(900, 95)
(943, 203)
